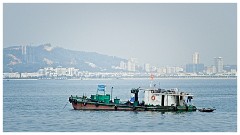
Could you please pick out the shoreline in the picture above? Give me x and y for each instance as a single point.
(137, 78)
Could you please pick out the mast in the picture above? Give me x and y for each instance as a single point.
(111, 93)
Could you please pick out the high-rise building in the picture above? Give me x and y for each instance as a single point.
(131, 66)
(195, 58)
(123, 65)
(147, 67)
(218, 63)
(195, 67)
(28, 54)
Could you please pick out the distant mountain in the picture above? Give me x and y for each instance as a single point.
(32, 58)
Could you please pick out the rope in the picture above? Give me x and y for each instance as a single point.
(65, 105)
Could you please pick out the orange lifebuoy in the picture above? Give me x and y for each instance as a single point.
(153, 97)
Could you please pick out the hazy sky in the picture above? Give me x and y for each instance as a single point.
(159, 34)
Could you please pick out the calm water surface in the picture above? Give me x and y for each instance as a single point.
(39, 106)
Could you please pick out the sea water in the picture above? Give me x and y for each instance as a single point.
(42, 106)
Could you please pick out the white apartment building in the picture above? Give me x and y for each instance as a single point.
(147, 67)
(30, 75)
(195, 58)
(123, 65)
(11, 75)
(218, 63)
(131, 66)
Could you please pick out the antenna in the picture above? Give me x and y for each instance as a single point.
(151, 77)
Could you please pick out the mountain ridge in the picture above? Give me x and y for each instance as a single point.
(32, 58)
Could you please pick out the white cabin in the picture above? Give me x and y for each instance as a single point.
(164, 97)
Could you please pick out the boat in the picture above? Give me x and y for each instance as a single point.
(155, 99)
(206, 109)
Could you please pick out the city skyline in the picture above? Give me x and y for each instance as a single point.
(159, 34)
(196, 59)
(131, 65)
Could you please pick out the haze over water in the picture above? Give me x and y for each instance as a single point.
(158, 34)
